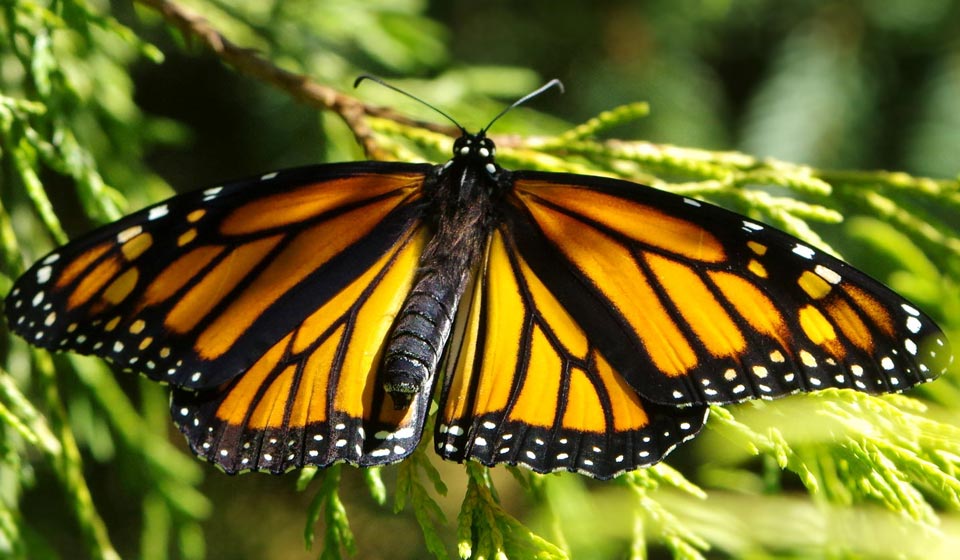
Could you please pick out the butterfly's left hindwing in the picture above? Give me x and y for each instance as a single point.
(694, 304)
(315, 397)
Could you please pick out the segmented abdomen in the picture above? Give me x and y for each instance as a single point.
(420, 334)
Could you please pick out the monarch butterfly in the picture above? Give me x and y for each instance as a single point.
(582, 323)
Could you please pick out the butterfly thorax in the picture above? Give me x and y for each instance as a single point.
(460, 199)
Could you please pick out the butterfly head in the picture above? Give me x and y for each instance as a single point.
(475, 149)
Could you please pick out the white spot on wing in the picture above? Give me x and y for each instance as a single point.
(804, 251)
(827, 274)
(158, 212)
(43, 274)
(129, 233)
(911, 346)
(403, 433)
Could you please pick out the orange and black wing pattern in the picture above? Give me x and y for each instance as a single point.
(268, 299)
(315, 397)
(692, 304)
(528, 386)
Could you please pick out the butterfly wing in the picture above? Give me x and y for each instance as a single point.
(527, 386)
(314, 398)
(694, 304)
(191, 291)
(269, 298)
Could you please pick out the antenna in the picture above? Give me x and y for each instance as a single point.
(552, 83)
(363, 77)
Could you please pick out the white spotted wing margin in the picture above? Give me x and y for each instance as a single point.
(524, 386)
(236, 449)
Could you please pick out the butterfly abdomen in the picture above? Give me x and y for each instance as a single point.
(459, 213)
(419, 335)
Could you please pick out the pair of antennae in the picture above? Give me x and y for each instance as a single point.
(551, 84)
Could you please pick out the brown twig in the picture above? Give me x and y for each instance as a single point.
(247, 61)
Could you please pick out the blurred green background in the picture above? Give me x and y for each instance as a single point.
(870, 84)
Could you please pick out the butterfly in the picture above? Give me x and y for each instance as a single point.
(579, 323)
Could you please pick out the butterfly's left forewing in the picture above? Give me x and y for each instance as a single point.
(192, 290)
(525, 386)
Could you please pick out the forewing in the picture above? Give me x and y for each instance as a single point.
(193, 291)
(694, 304)
(526, 386)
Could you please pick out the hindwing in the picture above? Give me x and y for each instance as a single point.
(527, 386)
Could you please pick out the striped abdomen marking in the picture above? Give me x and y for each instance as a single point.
(420, 334)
